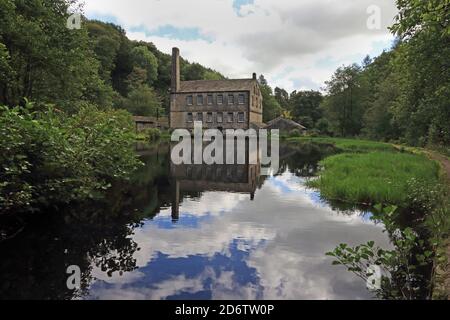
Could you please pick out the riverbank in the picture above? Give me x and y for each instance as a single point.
(414, 180)
(443, 269)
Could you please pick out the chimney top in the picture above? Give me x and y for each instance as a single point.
(254, 76)
(175, 81)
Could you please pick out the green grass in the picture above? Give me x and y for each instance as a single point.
(348, 145)
(375, 177)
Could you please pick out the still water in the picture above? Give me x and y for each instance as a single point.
(194, 232)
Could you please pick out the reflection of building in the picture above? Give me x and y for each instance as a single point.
(218, 104)
(239, 178)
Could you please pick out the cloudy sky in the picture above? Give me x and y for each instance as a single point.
(296, 44)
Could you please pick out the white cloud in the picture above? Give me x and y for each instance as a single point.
(265, 37)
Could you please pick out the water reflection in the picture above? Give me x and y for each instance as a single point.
(191, 232)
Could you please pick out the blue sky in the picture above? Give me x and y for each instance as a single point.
(296, 44)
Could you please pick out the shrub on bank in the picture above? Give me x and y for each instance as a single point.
(49, 157)
(152, 134)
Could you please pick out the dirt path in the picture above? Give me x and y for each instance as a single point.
(443, 160)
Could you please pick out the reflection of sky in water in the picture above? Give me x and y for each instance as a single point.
(226, 246)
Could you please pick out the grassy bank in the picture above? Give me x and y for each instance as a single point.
(374, 177)
(347, 145)
(415, 182)
(370, 172)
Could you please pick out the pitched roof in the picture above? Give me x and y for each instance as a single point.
(149, 119)
(283, 123)
(217, 85)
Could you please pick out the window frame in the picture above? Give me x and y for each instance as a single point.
(228, 117)
(241, 95)
(219, 114)
(190, 117)
(220, 99)
(191, 98)
(201, 98)
(232, 100)
(208, 101)
(209, 117)
(239, 117)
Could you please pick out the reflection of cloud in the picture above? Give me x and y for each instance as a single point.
(273, 248)
(161, 290)
(211, 238)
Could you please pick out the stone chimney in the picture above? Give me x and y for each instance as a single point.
(175, 86)
(254, 76)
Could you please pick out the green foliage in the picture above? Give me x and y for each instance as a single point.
(295, 133)
(401, 277)
(196, 71)
(146, 60)
(342, 105)
(305, 107)
(403, 94)
(323, 126)
(44, 60)
(421, 16)
(49, 158)
(143, 101)
(351, 145)
(152, 134)
(271, 107)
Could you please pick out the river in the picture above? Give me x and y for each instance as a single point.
(194, 233)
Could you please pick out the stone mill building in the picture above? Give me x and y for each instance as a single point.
(218, 104)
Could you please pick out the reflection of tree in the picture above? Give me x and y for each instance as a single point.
(92, 234)
(34, 265)
(303, 158)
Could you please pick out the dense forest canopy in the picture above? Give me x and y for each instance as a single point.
(42, 60)
(402, 95)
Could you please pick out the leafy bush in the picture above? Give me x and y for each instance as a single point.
(49, 157)
(152, 134)
(314, 133)
(295, 133)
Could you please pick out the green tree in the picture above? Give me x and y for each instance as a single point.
(417, 16)
(50, 63)
(282, 98)
(306, 104)
(143, 101)
(271, 107)
(146, 60)
(342, 106)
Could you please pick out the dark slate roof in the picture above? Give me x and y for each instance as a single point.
(257, 126)
(283, 124)
(217, 85)
(149, 119)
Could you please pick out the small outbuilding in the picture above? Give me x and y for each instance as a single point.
(285, 125)
(143, 123)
